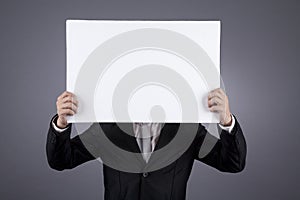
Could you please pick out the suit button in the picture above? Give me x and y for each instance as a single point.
(145, 174)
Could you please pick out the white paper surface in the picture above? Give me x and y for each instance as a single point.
(152, 67)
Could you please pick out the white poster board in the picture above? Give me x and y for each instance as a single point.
(143, 71)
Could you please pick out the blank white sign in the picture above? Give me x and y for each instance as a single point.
(143, 71)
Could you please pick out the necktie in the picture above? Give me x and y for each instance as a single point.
(144, 140)
(146, 136)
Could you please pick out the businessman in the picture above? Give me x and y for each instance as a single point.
(168, 182)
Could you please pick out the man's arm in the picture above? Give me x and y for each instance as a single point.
(64, 152)
(228, 153)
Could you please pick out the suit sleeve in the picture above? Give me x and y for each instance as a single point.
(228, 153)
(64, 152)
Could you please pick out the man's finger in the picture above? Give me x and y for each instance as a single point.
(215, 101)
(217, 90)
(216, 108)
(65, 112)
(69, 105)
(222, 92)
(64, 94)
(214, 94)
(70, 99)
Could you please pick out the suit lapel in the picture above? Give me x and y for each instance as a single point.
(123, 136)
(167, 133)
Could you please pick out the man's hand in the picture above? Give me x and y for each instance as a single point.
(66, 105)
(218, 102)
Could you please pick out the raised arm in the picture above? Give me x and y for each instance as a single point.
(62, 151)
(229, 152)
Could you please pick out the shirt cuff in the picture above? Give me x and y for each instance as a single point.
(228, 128)
(56, 128)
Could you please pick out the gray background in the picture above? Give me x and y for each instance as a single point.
(260, 68)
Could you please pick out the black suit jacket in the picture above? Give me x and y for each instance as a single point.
(167, 183)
